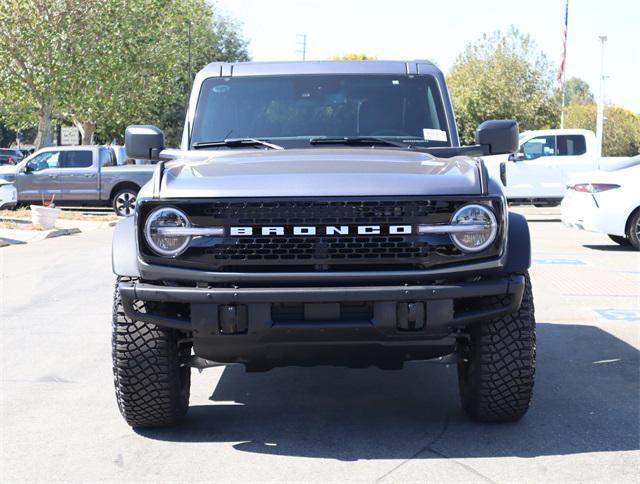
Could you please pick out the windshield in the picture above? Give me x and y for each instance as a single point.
(298, 108)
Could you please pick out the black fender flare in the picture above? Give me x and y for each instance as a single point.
(518, 245)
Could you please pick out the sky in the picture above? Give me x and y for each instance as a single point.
(440, 30)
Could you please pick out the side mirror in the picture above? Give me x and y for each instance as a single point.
(143, 142)
(498, 137)
(517, 156)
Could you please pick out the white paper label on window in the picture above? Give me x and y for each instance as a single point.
(434, 134)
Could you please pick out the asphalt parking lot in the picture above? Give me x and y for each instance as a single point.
(59, 420)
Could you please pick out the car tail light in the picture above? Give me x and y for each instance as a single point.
(594, 187)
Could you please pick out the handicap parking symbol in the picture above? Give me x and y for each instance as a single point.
(616, 314)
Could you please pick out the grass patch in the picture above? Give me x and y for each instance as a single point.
(25, 212)
(7, 224)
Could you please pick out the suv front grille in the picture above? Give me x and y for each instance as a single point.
(320, 248)
(318, 252)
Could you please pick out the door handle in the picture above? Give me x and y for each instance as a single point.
(88, 175)
(53, 176)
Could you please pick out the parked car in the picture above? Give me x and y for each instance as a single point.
(26, 151)
(606, 201)
(80, 175)
(8, 195)
(539, 171)
(10, 156)
(343, 225)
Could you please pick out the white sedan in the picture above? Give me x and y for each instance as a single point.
(607, 202)
(8, 194)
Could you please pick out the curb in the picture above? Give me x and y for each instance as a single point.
(49, 234)
(46, 234)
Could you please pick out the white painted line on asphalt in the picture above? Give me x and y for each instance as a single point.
(618, 314)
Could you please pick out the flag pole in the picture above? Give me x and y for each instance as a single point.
(563, 61)
(562, 108)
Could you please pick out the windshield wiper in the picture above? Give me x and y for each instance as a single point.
(236, 142)
(357, 140)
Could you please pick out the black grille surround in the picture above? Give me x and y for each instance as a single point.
(292, 253)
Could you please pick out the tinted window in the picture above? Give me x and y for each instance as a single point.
(308, 106)
(107, 158)
(538, 147)
(10, 156)
(77, 159)
(571, 145)
(48, 159)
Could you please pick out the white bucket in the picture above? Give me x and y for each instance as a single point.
(44, 216)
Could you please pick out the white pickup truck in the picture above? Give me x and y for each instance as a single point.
(538, 172)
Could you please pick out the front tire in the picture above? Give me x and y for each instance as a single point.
(618, 239)
(497, 375)
(152, 388)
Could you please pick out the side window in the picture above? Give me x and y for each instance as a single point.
(107, 157)
(77, 159)
(539, 147)
(48, 159)
(571, 145)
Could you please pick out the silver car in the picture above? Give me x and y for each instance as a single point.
(81, 175)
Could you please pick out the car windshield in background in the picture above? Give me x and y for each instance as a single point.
(9, 156)
(296, 108)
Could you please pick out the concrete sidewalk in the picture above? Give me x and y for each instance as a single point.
(63, 227)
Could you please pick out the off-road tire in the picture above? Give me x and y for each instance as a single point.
(497, 374)
(619, 239)
(633, 229)
(152, 388)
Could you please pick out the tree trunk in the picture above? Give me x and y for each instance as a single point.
(87, 130)
(44, 137)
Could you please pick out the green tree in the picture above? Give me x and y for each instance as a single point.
(577, 91)
(38, 40)
(150, 62)
(353, 56)
(104, 63)
(503, 76)
(621, 129)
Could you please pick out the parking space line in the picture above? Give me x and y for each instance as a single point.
(560, 262)
(618, 314)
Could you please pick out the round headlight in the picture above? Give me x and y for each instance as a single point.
(482, 227)
(165, 242)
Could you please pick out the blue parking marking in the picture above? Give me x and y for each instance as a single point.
(617, 314)
(560, 262)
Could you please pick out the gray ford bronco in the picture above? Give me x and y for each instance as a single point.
(321, 213)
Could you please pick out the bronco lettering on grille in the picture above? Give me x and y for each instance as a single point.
(314, 230)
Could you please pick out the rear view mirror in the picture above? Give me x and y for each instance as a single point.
(498, 137)
(143, 142)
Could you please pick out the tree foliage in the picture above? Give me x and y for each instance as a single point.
(621, 130)
(353, 56)
(105, 63)
(503, 76)
(577, 91)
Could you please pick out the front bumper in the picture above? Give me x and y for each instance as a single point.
(318, 328)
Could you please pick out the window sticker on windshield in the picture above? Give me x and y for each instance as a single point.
(395, 82)
(434, 134)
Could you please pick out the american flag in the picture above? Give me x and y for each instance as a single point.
(563, 52)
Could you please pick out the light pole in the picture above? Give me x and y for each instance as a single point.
(600, 116)
(301, 43)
